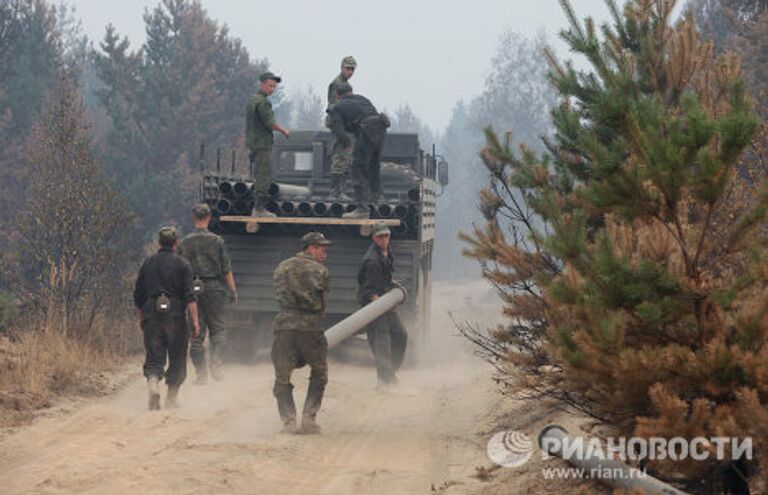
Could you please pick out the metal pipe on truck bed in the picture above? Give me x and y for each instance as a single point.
(226, 187)
(363, 316)
(401, 211)
(242, 188)
(304, 209)
(553, 439)
(287, 207)
(243, 207)
(401, 228)
(223, 206)
(320, 209)
(337, 209)
(285, 191)
(385, 211)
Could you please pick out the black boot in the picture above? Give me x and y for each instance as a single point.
(311, 407)
(171, 398)
(343, 189)
(287, 408)
(154, 393)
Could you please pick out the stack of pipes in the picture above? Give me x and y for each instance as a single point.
(232, 196)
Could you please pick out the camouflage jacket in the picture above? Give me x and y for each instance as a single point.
(259, 120)
(209, 257)
(333, 97)
(301, 287)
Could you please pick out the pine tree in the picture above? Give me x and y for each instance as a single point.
(634, 299)
(187, 85)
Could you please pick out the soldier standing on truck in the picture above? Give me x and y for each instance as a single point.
(356, 114)
(260, 125)
(211, 269)
(341, 155)
(162, 295)
(301, 284)
(387, 336)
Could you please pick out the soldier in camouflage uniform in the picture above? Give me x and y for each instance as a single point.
(341, 156)
(301, 285)
(260, 125)
(212, 268)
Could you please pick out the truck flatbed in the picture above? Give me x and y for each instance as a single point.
(252, 223)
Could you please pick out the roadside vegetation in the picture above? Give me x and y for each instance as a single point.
(631, 253)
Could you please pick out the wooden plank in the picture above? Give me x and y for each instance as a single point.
(309, 220)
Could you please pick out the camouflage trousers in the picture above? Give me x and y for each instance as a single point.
(388, 340)
(210, 311)
(165, 339)
(341, 158)
(292, 349)
(261, 171)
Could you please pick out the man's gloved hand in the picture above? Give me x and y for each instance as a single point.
(233, 297)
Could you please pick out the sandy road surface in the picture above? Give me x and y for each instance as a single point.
(416, 438)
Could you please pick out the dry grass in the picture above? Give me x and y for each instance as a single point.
(38, 364)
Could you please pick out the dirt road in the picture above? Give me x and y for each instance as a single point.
(419, 437)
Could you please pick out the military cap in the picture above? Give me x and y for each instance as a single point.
(167, 236)
(266, 76)
(343, 88)
(201, 210)
(314, 238)
(349, 61)
(380, 228)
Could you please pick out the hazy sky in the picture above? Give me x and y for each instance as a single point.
(427, 53)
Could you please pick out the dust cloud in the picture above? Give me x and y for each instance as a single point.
(224, 439)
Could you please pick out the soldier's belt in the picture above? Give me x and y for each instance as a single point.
(300, 312)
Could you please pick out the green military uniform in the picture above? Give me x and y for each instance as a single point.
(209, 257)
(341, 156)
(259, 119)
(301, 286)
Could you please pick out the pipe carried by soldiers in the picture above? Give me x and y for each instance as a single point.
(364, 316)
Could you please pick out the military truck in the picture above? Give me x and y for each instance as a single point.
(411, 179)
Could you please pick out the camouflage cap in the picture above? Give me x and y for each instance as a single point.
(349, 61)
(167, 236)
(201, 210)
(266, 76)
(380, 229)
(343, 88)
(314, 238)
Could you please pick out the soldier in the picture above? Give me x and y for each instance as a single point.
(162, 293)
(341, 156)
(357, 115)
(301, 286)
(260, 125)
(211, 268)
(387, 336)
